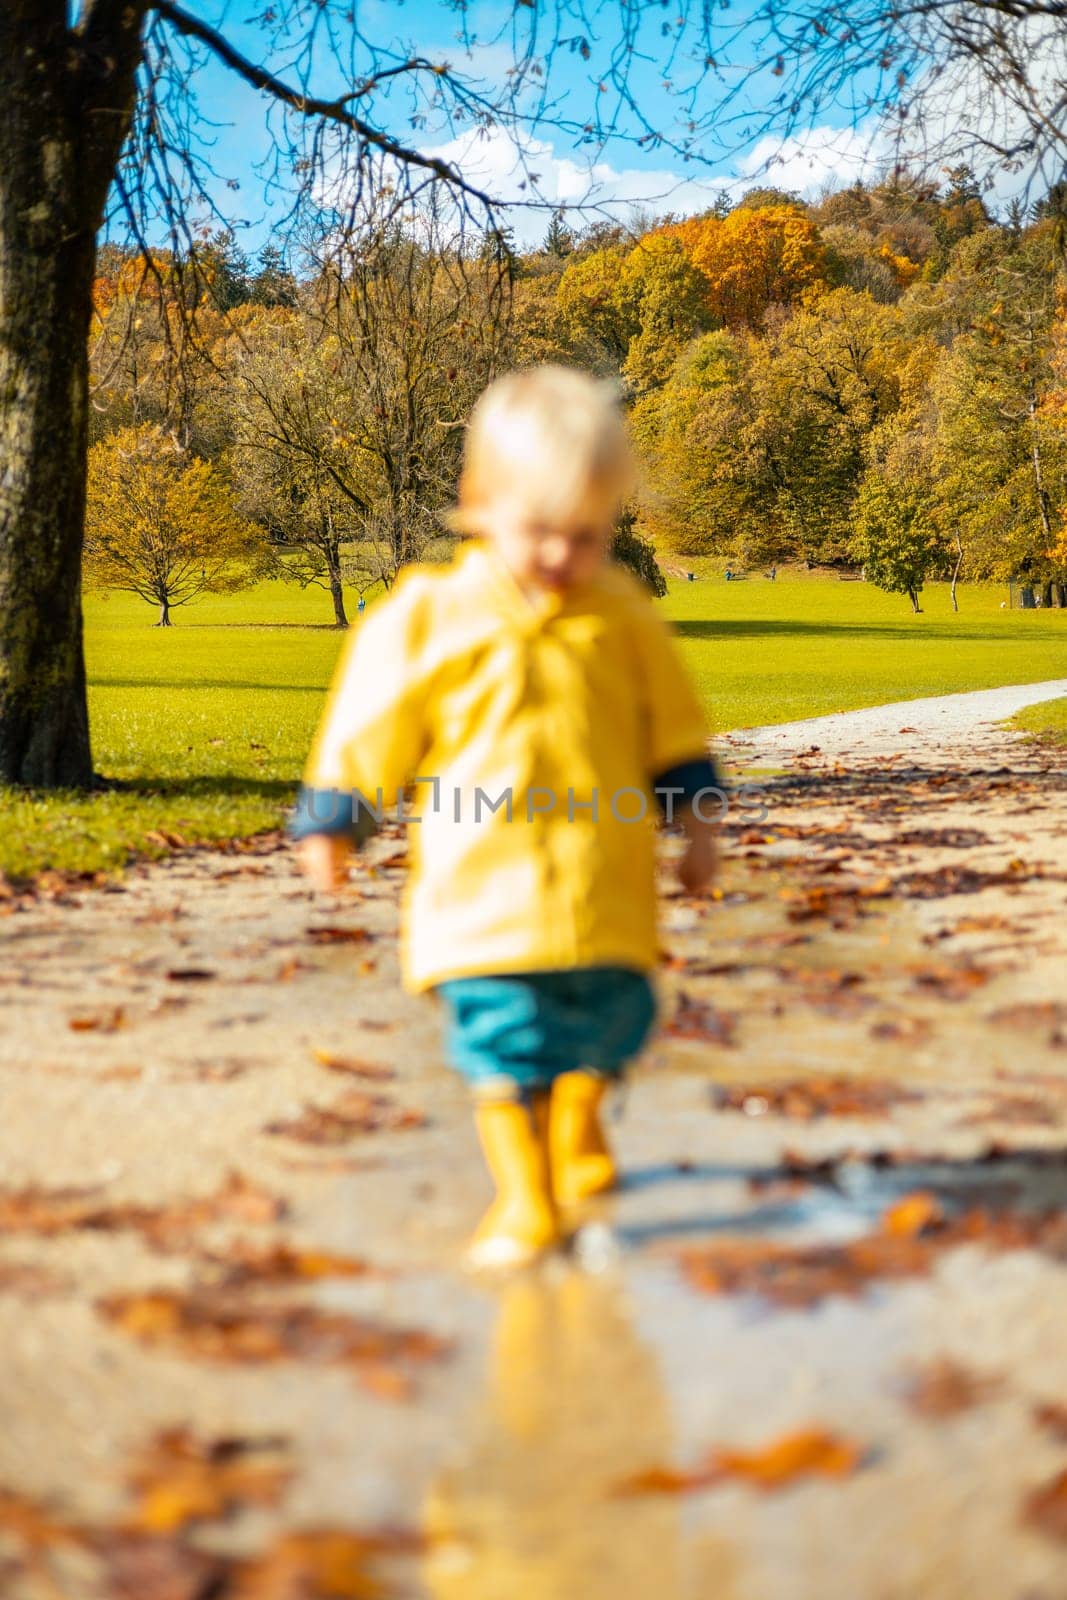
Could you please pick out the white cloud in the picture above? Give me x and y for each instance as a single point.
(529, 175)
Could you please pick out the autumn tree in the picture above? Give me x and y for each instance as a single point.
(161, 523)
(755, 258)
(704, 493)
(296, 468)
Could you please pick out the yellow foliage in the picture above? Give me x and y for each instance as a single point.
(160, 522)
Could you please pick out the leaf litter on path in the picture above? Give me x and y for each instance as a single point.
(809, 1452)
(913, 1236)
(356, 1112)
(219, 1325)
(46, 1212)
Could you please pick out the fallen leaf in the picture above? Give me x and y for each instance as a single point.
(1045, 1508)
(181, 1479)
(320, 1562)
(354, 1113)
(699, 1020)
(1053, 1416)
(375, 1070)
(944, 1388)
(912, 1215)
(107, 1021)
(244, 1263)
(336, 935)
(810, 1452)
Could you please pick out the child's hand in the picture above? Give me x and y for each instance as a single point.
(324, 859)
(697, 868)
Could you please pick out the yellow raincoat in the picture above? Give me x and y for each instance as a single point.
(562, 712)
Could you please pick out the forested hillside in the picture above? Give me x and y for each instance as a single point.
(876, 380)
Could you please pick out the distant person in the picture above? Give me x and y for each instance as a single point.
(729, 574)
(531, 667)
(773, 574)
(689, 575)
(362, 606)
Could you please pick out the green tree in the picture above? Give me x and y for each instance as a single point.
(896, 535)
(161, 523)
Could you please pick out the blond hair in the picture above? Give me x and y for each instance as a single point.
(552, 439)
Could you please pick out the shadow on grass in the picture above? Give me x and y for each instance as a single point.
(203, 683)
(223, 784)
(944, 629)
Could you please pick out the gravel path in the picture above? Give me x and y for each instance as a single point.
(931, 727)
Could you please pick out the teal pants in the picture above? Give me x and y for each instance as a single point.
(512, 1033)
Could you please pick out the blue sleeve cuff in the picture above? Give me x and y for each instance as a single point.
(331, 811)
(688, 777)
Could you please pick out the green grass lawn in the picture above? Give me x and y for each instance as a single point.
(1047, 721)
(210, 720)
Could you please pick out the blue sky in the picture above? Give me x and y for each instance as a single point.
(617, 173)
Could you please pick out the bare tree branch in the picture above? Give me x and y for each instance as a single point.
(312, 106)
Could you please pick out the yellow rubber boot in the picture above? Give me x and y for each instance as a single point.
(582, 1164)
(522, 1222)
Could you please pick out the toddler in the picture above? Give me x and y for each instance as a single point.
(534, 697)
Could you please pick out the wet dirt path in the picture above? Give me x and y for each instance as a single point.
(813, 1348)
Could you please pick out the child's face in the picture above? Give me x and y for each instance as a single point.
(549, 555)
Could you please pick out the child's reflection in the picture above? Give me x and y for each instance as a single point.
(573, 1405)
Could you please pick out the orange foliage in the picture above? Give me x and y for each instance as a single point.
(753, 260)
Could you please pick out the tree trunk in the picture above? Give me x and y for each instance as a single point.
(337, 595)
(164, 615)
(58, 145)
(956, 569)
(1046, 595)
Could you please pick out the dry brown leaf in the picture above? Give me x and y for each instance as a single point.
(374, 1070)
(181, 1479)
(320, 1564)
(698, 1019)
(107, 1021)
(1045, 1508)
(337, 935)
(944, 1388)
(244, 1262)
(356, 1112)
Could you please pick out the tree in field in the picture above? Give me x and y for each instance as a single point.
(101, 122)
(298, 473)
(897, 539)
(161, 524)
